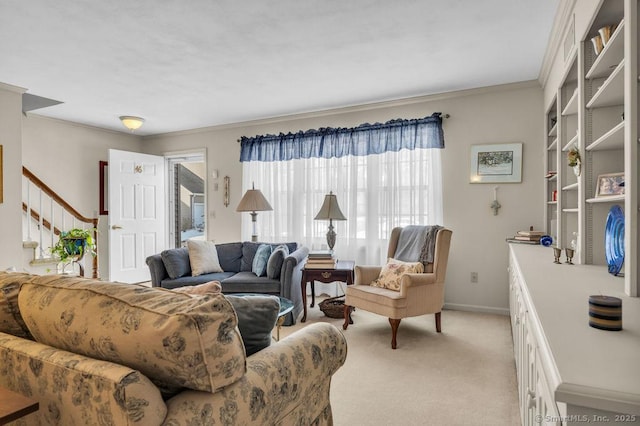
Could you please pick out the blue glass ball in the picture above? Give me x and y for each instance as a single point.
(546, 240)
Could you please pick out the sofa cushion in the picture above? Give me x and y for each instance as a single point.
(174, 339)
(257, 316)
(248, 252)
(200, 279)
(259, 266)
(11, 321)
(203, 257)
(230, 256)
(391, 274)
(176, 262)
(247, 282)
(276, 260)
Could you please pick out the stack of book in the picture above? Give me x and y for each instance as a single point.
(530, 236)
(320, 260)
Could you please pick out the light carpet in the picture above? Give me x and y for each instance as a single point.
(462, 376)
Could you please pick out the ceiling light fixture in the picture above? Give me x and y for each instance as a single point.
(130, 122)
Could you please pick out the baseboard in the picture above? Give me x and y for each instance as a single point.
(476, 308)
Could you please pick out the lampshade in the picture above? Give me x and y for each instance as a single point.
(253, 201)
(130, 122)
(330, 209)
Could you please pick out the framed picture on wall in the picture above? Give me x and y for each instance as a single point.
(491, 163)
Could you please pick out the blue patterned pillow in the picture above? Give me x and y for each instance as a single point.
(260, 260)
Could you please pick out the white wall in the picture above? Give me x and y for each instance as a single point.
(65, 156)
(11, 207)
(501, 114)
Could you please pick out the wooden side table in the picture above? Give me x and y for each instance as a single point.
(342, 272)
(13, 406)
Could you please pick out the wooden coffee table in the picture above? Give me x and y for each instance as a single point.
(342, 272)
(13, 406)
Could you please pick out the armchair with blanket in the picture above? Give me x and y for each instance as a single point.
(410, 284)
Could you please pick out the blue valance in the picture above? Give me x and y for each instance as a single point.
(330, 142)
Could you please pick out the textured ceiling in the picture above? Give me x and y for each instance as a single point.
(184, 65)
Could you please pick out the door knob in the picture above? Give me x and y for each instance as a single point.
(116, 227)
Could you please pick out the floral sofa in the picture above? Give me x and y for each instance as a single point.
(173, 268)
(101, 353)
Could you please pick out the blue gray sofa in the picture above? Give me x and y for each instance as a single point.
(236, 260)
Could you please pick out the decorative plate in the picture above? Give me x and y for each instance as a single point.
(614, 239)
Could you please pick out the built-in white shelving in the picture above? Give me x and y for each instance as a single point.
(608, 199)
(612, 90)
(597, 97)
(573, 142)
(572, 104)
(613, 139)
(611, 55)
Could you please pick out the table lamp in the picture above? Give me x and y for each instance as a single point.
(331, 211)
(253, 201)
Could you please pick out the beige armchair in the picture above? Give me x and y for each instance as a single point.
(419, 294)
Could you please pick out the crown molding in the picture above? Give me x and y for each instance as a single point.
(356, 108)
(558, 30)
(30, 114)
(12, 88)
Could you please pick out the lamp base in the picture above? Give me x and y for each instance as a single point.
(331, 236)
(254, 224)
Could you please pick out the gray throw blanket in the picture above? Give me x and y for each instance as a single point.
(417, 243)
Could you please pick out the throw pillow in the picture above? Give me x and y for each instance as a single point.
(260, 260)
(212, 287)
(257, 316)
(176, 262)
(11, 321)
(391, 274)
(203, 257)
(276, 260)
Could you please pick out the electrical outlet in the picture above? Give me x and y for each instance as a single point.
(474, 277)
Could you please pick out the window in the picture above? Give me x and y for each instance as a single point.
(383, 175)
(376, 193)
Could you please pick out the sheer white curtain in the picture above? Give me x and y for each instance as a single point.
(375, 192)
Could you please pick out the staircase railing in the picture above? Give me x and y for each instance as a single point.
(48, 214)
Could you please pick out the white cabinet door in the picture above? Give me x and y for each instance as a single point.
(546, 410)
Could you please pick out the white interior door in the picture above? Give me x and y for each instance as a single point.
(136, 213)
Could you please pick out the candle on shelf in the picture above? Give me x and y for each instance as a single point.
(605, 312)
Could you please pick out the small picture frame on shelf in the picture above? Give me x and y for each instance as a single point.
(610, 184)
(496, 163)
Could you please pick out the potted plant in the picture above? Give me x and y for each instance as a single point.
(72, 246)
(573, 160)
